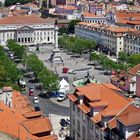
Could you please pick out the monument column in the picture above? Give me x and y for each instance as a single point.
(56, 37)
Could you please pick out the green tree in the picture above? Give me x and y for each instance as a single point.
(134, 59)
(123, 57)
(46, 77)
(34, 63)
(19, 50)
(71, 26)
(49, 80)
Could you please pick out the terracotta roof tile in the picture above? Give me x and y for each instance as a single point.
(33, 114)
(28, 19)
(112, 123)
(72, 97)
(114, 28)
(88, 91)
(100, 94)
(50, 137)
(130, 116)
(134, 70)
(97, 118)
(37, 125)
(134, 136)
(84, 108)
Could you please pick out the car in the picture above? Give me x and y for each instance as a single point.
(35, 100)
(22, 83)
(37, 108)
(39, 86)
(61, 97)
(71, 72)
(31, 91)
(63, 123)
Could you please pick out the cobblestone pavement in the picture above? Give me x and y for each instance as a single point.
(73, 64)
(4, 136)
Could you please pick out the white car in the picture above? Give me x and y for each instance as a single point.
(35, 100)
(71, 72)
(61, 97)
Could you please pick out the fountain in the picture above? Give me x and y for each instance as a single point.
(84, 81)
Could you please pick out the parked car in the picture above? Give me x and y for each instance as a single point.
(35, 100)
(71, 72)
(63, 123)
(37, 108)
(31, 91)
(30, 75)
(61, 97)
(39, 86)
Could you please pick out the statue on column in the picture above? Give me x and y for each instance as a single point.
(56, 56)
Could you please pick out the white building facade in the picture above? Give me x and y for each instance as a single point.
(27, 30)
(132, 43)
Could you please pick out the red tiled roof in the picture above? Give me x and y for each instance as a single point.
(72, 97)
(134, 70)
(84, 108)
(28, 19)
(50, 137)
(112, 123)
(130, 116)
(116, 29)
(97, 118)
(39, 125)
(134, 136)
(99, 94)
(33, 114)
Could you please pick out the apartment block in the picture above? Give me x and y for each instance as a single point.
(108, 37)
(132, 42)
(94, 106)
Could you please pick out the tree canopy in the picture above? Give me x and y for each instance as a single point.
(46, 77)
(19, 50)
(8, 71)
(76, 44)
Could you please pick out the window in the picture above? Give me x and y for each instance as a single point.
(84, 132)
(120, 42)
(84, 116)
(73, 105)
(78, 111)
(73, 122)
(48, 38)
(78, 125)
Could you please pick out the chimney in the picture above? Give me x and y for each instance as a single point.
(138, 84)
